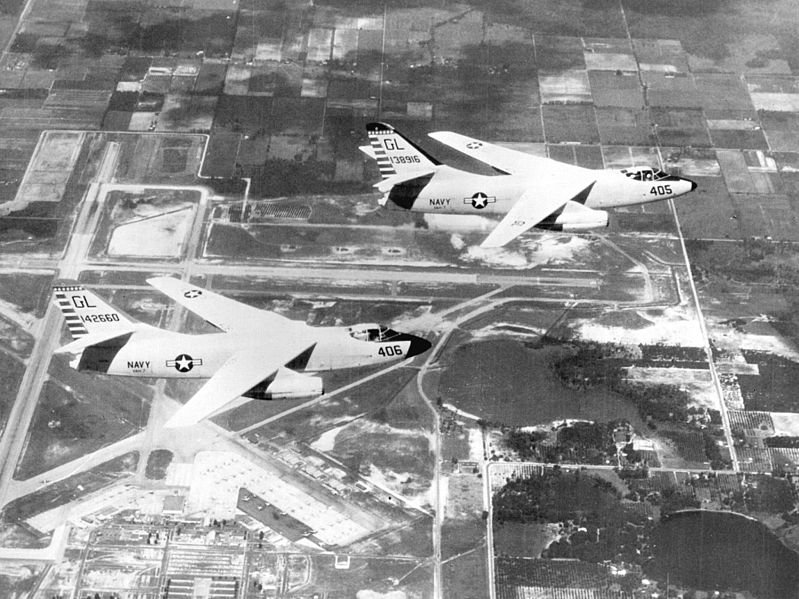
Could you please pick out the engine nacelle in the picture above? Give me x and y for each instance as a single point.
(288, 385)
(576, 217)
(599, 223)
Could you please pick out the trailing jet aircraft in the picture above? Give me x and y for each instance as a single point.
(529, 191)
(258, 353)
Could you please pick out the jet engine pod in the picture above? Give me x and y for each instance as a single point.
(287, 384)
(576, 217)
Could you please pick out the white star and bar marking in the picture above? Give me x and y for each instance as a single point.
(480, 200)
(184, 363)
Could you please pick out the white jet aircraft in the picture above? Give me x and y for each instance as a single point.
(529, 191)
(259, 354)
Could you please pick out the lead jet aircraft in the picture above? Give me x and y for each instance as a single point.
(528, 190)
(258, 353)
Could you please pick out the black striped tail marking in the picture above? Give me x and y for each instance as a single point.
(74, 322)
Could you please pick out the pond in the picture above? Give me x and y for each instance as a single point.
(724, 551)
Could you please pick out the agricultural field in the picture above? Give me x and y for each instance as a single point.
(234, 133)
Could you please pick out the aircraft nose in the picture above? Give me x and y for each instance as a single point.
(693, 184)
(419, 345)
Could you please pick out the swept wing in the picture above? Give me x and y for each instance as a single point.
(531, 208)
(225, 313)
(511, 162)
(242, 371)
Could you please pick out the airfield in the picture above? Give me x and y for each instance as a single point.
(219, 145)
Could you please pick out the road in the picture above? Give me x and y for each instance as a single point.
(725, 415)
(20, 417)
(567, 285)
(470, 309)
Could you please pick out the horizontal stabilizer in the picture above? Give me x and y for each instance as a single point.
(77, 346)
(386, 184)
(369, 151)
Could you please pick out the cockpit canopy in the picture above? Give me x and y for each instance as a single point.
(645, 173)
(372, 332)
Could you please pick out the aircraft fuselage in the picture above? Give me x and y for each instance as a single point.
(150, 352)
(453, 191)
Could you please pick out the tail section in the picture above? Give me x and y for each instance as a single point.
(87, 314)
(396, 154)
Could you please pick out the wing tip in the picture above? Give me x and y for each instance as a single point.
(155, 280)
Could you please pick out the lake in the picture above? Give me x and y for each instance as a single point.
(723, 551)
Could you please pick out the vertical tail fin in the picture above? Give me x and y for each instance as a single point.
(396, 154)
(86, 314)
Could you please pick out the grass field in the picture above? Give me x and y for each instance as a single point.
(680, 127)
(15, 339)
(157, 463)
(294, 242)
(570, 123)
(397, 458)
(521, 540)
(29, 292)
(461, 536)
(12, 372)
(170, 158)
(19, 580)
(330, 413)
(71, 488)
(612, 89)
(722, 91)
(465, 577)
(394, 440)
(773, 390)
(708, 212)
(782, 130)
(79, 413)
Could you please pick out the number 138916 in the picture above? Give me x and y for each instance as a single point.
(405, 159)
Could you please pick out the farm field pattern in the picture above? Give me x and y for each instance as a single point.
(583, 392)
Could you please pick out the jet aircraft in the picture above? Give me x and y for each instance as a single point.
(257, 353)
(528, 190)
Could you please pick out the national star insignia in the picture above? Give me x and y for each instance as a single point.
(184, 363)
(480, 200)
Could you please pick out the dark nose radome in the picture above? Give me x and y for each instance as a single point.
(418, 346)
(693, 184)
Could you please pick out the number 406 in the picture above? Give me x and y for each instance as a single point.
(389, 350)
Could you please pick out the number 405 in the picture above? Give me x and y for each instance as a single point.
(660, 190)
